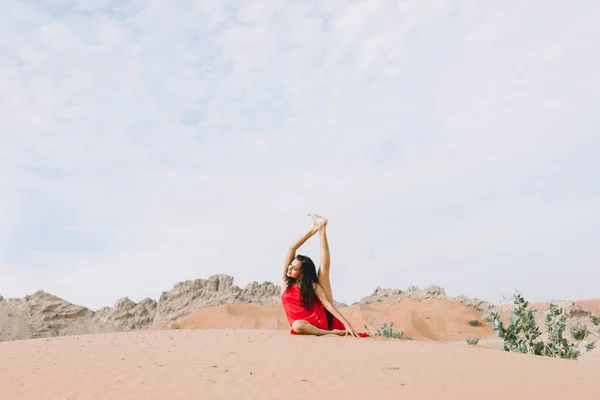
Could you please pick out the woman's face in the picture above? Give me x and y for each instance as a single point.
(294, 269)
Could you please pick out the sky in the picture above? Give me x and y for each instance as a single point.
(449, 142)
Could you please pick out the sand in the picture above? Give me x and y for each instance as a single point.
(431, 319)
(235, 316)
(245, 351)
(271, 364)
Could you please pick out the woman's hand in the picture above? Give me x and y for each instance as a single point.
(350, 330)
(331, 308)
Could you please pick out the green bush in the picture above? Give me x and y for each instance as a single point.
(386, 330)
(522, 333)
(472, 341)
(474, 322)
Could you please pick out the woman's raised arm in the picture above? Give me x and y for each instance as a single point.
(291, 253)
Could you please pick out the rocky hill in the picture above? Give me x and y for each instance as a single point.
(394, 296)
(43, 315)
(189, 296)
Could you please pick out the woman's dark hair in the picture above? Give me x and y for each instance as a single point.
(308, 277)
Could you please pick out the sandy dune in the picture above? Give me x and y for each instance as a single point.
(270, 364)
(592, 305)
(245, 351)
(235, 316)
(430, 319)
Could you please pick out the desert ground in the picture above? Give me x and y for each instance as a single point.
(210, 339)
(244, 351)
(271, 364)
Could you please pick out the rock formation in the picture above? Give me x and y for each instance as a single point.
(42, 315)
(189, 296)
(127, 314)
(394, 296)
(45, 315)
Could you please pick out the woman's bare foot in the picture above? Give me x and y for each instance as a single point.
(339, 332)
(319, 221)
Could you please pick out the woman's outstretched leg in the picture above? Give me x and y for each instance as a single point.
(324, 281)
(305, 328)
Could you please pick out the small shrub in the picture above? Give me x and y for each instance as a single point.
(596, 322)
(579, 332)
(386, 330)
(472, 341)
(590, 346)
(522, 333)
(474, 322)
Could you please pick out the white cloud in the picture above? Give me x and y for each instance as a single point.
(449, 142)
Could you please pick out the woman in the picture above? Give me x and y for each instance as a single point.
(306, 297)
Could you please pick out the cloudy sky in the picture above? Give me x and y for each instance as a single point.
(449, 142)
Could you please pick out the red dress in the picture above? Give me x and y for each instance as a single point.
(292, 304)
